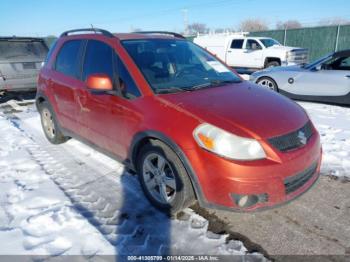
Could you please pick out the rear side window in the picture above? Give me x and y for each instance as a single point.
(13, 50)
(49, 54)
(237, 43)
(126, 82)
(98, 59)
(67, 61)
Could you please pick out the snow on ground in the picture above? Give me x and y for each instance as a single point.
(35, 215)
(70, 199)
(333, 124)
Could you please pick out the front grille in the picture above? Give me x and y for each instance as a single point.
(294, 139)
(293, 183)
(298, 56)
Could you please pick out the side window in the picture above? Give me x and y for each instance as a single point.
(126, 82)
(98, 59)
(49, 54)
(253, 45)
(67, 61)
(345, 63)
(237, 43)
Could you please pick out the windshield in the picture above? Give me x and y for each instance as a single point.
(318, 61)
(268, 42)
(15, 50)
(177, 65)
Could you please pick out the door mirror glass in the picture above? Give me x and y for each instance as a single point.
(101, 82)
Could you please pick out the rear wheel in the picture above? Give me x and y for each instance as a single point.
(268, 83)
(164, 179)
(49, 124)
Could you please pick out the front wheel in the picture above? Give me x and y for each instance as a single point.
(272, 64)
(164, 179)
(267, 82)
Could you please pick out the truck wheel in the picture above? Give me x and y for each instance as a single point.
(49, 124)
(272, 64)
(268, 83)
(164, 179)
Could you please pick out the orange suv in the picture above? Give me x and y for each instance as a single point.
(183, 120)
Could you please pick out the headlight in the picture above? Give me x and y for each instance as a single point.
(226, 144)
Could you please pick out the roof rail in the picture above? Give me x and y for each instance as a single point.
(160, 33)
(94, 30)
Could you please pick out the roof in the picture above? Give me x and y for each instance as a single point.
(124, 36)
(342, 53)
(129, 36)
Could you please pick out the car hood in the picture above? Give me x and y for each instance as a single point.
(294, 68)
(244, 109)
(284, 48)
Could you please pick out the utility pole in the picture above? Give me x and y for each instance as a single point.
(185, 20)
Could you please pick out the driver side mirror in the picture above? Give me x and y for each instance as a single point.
(99, 82)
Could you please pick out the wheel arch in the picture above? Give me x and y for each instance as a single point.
(272, 59)
(40, 98)
(145, 137)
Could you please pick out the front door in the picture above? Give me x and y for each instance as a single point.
(332, 78)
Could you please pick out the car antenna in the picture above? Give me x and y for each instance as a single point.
(93, 28)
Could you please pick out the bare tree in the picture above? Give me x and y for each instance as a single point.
(334, 21)
(196, 28)
(219, 30)
(251, 25)
(289, 24)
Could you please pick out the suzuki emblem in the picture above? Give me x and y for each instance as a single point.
(302, 138)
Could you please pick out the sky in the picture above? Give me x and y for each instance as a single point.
(49, 17)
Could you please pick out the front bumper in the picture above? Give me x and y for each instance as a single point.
(221, 180)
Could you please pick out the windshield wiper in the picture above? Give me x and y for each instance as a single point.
(213, 83)
(170, 90)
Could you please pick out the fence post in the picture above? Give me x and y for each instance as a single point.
(337, 39)
(285, 36)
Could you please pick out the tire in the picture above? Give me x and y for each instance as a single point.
(177, 190)
(272, 64)
(49, 124)
(268, 82)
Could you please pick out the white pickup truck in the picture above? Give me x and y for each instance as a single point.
(251, 53)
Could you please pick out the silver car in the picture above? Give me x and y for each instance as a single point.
(20, 62)
(325, 80)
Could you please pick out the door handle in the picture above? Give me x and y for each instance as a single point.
(49, 82)
(229, 51)
(347, 76)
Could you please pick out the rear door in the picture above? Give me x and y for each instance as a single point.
(20, 62)
(65, 80)
(235, 53)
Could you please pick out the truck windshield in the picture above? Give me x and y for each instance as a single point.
(171, 65)
(17, 50)
(268, 42)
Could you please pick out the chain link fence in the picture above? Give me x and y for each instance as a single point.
(319, 40)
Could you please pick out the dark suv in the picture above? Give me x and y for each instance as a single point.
(184, 121)
(20, 61)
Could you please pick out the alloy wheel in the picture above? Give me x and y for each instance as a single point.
(267, 83)
(49, 126)
(159, 178)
